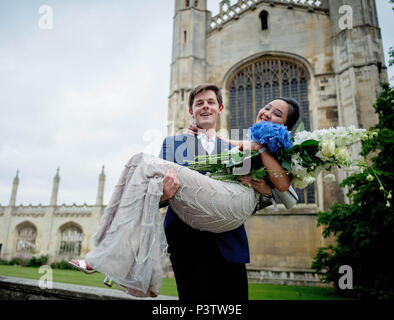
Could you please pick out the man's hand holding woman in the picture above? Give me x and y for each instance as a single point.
(170, 185)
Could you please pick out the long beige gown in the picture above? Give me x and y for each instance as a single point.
(130, 244)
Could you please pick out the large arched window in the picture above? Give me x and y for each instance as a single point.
(260, 81)
(71, 240)
(26, 238)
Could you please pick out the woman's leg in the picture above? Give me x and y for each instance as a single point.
(130, 241)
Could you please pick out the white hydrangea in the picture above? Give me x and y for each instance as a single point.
(340, 135)
(302, 136)
(342, 154)
(296, 168)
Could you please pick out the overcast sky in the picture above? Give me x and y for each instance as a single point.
(89, 92)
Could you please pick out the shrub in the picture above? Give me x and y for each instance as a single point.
(63, 265)
(36, 261)
(3, 262)
(16, 262)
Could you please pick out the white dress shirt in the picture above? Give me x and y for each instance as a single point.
(207, 143)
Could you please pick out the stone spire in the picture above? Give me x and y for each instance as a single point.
(55, 188)
(188, 62)
(15, 185)
(100, 191)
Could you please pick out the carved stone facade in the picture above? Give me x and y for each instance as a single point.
(61, 231)
(326, 54)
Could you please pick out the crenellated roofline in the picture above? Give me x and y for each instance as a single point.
(229, 12)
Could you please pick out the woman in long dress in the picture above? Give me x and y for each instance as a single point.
(130, 244)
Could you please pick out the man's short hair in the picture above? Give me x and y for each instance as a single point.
(204, 87)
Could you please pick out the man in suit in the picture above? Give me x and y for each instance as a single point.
(206, 265)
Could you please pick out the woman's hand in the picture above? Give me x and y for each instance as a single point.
(193, 130)
(260, 186)
(249, 145)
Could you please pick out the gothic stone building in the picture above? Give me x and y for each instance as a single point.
(326, 54)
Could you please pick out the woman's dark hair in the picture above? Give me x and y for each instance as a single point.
(294, 112)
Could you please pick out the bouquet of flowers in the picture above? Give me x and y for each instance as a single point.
(304, 156)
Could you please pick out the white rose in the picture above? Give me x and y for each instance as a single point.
(328, 148)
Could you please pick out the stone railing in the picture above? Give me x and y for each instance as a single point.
(298, 277)
(73, 210)
(228, 12)
(29, 210)
(25, 289)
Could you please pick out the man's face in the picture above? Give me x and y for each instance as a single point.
(206, 109)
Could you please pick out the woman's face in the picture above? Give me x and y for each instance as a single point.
(276, 111)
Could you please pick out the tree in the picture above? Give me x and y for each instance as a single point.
(364, 229)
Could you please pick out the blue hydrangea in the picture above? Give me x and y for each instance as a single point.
(271, 134)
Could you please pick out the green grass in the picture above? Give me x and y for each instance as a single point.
(259, 291)
(256, 291)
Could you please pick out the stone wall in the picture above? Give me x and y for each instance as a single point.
(284, 240)
(24, 289)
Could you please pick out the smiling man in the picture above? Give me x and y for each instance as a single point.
(207, 266)
(206, 109)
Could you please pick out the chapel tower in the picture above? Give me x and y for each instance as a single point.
(188, 62)
(358, 60)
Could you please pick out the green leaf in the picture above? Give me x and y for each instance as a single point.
(310, 142)
(259, 174)
(286, 164)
